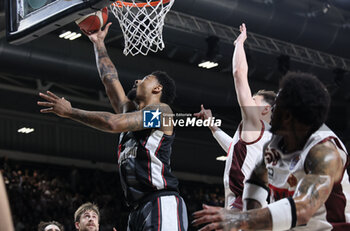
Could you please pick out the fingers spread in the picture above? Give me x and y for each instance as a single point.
(45, 104)
(52, 95)
(107, 27)
(213, 226)
(206, 206)
(212, 208)
(47, 110)
(204, 212)
(48, 98)
(206, 219)
(200, 213)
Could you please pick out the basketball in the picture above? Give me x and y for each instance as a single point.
(93, 22)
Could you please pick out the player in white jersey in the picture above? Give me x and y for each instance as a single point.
(286, 170)
(241, 156)
(243, 150)
(304, 167)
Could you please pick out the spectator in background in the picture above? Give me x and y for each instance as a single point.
(50, 226)
(30, 201)
(87, 217)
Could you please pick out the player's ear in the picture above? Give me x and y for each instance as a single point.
(157, 89)
(266, 110)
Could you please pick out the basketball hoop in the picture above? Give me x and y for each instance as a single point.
(142, 24)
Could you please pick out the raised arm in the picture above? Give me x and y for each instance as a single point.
(221, 137)
(104, 121)
(324, 167)
(108, 72)
(249, 111)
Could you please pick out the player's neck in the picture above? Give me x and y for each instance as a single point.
(295, 140)
(149, 101)
(266, 118)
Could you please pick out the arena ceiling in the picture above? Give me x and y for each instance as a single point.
(319, 28)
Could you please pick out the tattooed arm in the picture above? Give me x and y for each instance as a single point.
(108, 73)
(227, 219)
(323, 166)
(108, 122)
(104, 121)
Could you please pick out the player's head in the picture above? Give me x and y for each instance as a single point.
(87, 217)
(50, 226)
(158, 84)
(265, 100)
(303, 99)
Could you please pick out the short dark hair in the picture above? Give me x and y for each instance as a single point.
(305, 97)
(42, 225)
(269, 96)
(169, 87)
(86, 207)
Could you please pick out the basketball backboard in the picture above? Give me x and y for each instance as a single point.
(29, 19)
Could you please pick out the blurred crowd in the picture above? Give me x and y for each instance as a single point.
(42, 192)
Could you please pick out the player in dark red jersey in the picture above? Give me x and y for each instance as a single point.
(304, 169)
(245, 147)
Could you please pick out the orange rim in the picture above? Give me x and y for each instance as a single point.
(129, 4)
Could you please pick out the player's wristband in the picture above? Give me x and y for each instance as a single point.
(256, 192)
(283, 214)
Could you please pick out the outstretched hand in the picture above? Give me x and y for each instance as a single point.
(203, 114)
(55, 104)
(243, 36)
(100, 35)
(215, 217)
(209, 214)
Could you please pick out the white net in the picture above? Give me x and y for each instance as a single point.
(142, 24)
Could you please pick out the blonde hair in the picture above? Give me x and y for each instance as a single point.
(86, 207)
(269, 96)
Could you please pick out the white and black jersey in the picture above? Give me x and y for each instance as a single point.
(144, 164)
